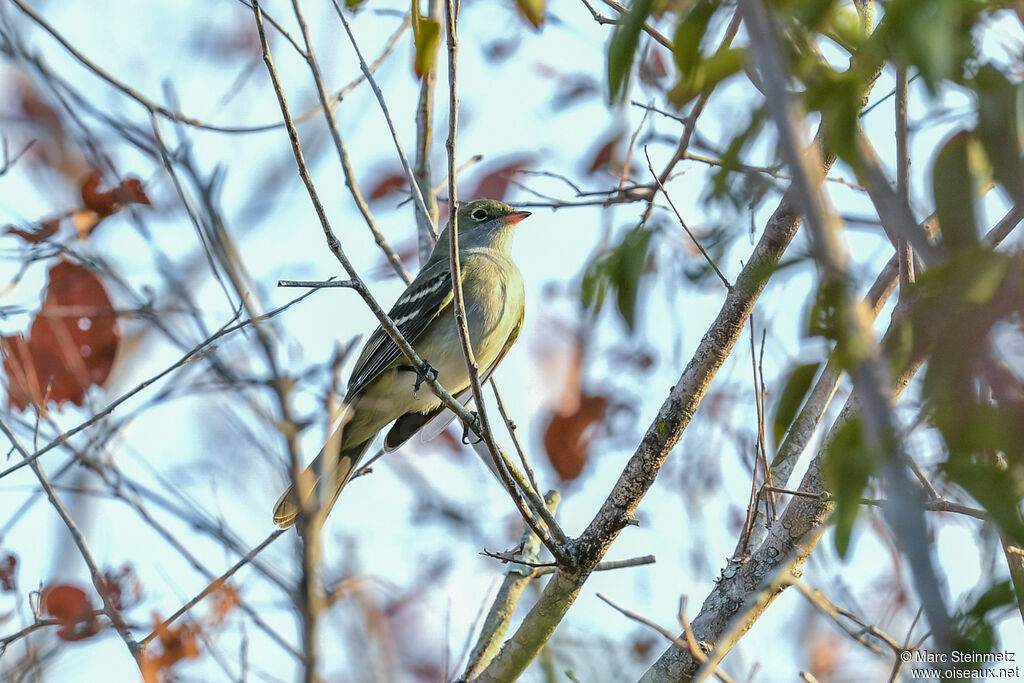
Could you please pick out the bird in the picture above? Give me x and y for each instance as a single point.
(383, 385)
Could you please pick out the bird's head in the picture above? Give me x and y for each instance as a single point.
(487, 214)
(485, 223)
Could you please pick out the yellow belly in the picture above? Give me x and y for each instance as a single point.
(494, 308)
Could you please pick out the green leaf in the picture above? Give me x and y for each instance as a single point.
(533, 10)
(619, 269)
(792, 397)
(999, 127)
(595, 285)
(625, 40)
(975, 629)
(968, 277)
(426, 36)
(837, 95)
(900, 345)
(690, 33)
(706, 74)
(631, 263)
(822, 319)
(983, 428)
(999, 595)
(730, 182)
(960, 302)
(849, 463)
(932, 35)
(813, 14)
(953, 186)
(698, 74)
(844, 25)
(992, 487)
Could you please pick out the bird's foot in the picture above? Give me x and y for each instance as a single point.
(469, 430)
(425, 370)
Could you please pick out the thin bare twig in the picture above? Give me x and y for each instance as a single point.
(342, 150)
(693, 238)
(603, 20)
(414, 187)
(688, 644)
(214, 585)
(904, 250)
(499, 615)
(150, 105)
(772, 172)
(99, 580)
(530, 508)
(940, 505)
(37, 624)
(319, 284)
(841, 616)
(8, 160)
(760, 449)
(607, 566)
(821, 495)
(511, 427)
(195, 353)
(690, 123)
(424, 138)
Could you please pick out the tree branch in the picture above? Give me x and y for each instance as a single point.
(869, 371)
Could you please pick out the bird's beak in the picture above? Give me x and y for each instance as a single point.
(514, 218)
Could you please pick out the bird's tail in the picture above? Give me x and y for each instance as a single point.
(287, 508)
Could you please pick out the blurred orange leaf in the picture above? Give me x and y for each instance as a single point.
(71, 346)
(567, 436)
(35, 109)
(84, 221)
(641, 359)
(51, 149)
(124, 590)
(451, 442)
(607, 156)
(97, 206)
(238, 40)
(8, 577)
(642, 647)
(225, 598)
(824, 654)
(573, 88)
(106, 203)
(495, 184)
(70, 606)
(176, 644)
(24, 387)
(46, 229)
(391, 182)
(653, 69)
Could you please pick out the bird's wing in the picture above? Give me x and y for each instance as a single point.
(426, 296)
(440, 422)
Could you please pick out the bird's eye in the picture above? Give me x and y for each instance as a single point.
(479, 214)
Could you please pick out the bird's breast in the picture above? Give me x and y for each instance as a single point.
(493, 291)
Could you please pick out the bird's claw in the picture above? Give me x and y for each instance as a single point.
(425, 370)
(469, 428)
